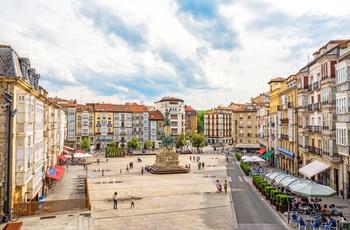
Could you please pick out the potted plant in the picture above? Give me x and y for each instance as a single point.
(245, 168)
(284, 201)
(238, 156)
(267, 192)
(274, 193)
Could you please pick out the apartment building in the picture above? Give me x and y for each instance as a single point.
(263, 114)
(156, 124)
(342, 83)
(34, 130)
(277, 85)
(218, 127)
(246, 126)
(84, 126)
(123, 125)
(288, 124)
(191, 119)
(176, 113)
(140, 122)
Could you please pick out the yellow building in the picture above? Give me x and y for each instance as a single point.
(277, 85)
(190, 120)
(288, 146)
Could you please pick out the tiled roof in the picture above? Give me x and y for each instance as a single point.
(134, 107)
(278, 79)
(102, 107)
(189, 108)
(156, 115)
(170, 99)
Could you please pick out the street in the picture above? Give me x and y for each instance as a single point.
(252, 211)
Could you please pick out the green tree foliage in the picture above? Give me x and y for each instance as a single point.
(149, 144)
(181, 140)
(113, 144)
(133, 143)
(198, 140)
(200, 120)
(85, 143)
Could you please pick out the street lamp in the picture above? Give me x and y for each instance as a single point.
(8, 180)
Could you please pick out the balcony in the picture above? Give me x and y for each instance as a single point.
(249, 126)
(317, 106)
(109, 125)
(240, 126)
(317, 85)
(98, 125)
(240, 117)
(284, 137)
(309, 88)
(332, 158)
(290, 105)
(241, 135)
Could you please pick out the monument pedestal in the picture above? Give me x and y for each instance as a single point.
(167, 163)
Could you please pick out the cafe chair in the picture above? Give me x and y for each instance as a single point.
(295, 218)
(303, 224)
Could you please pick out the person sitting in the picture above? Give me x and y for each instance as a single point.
(139, 159)
(333, 210)
(324, 209)
(341, 218)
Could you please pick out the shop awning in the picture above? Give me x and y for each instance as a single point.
(314, 168)
(266, 155)
(56, 172)
(68, 148)
(62, 157)
(262, 150)
(248, 146)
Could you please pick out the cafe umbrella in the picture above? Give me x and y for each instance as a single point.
(311, 189)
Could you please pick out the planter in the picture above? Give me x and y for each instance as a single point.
(272, 201)
(283, 208)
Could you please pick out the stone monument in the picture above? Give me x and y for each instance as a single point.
(167, 161)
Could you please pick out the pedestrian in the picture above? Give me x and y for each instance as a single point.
(218, 186)
(127, 168)
(67, 166)
(203, 165)
(121, 171)
(115, 201)
(103, 172)
(132, 202)
(226, 159)
(199, 165)
(107, 160)
(189, 166)
(225, 186)
(190, 158)
(142, 171)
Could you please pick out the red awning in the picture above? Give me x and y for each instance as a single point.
(262, 150)
(68, 148)
(79, 151)
(62, 157)
(59, 172)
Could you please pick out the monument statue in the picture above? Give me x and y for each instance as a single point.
(167, 160)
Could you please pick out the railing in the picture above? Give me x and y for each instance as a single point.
(52, 206)
(284, 137)
(317, 85)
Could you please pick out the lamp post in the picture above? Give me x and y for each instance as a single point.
(8, 178)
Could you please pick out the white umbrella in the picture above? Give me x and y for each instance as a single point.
(248, 159)
(245, 157)
(312, 189)
(88, 155)
(258, 159)
(79, 155)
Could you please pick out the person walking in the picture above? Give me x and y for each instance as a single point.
(67, 166)
(115, 201)
(225, 186)
(127, 168)
(142, 171)
(132, 202)
(203, 165)
(218, 186)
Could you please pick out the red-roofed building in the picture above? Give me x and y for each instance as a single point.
(156, 123)
(191, 119)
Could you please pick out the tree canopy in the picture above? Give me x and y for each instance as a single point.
(134, 143)
(85, 143)
(181, 140)
(200, 120)
(198, 140)
(149, 144)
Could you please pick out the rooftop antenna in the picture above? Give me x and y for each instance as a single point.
(308, 58)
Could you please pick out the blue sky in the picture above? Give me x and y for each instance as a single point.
(206, 52)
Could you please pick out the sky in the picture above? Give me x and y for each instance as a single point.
(206, 52)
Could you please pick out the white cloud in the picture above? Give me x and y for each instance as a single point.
(141, 50)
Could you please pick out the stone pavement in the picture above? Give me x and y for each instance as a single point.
(169, 201)
(172, 201)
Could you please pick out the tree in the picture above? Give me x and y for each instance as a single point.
(198, 140)
(133, 143)
(85, 143)
(200, 120)
(181, 140)
(149, 144)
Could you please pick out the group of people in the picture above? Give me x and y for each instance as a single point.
(219, 187)
(115, 201)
